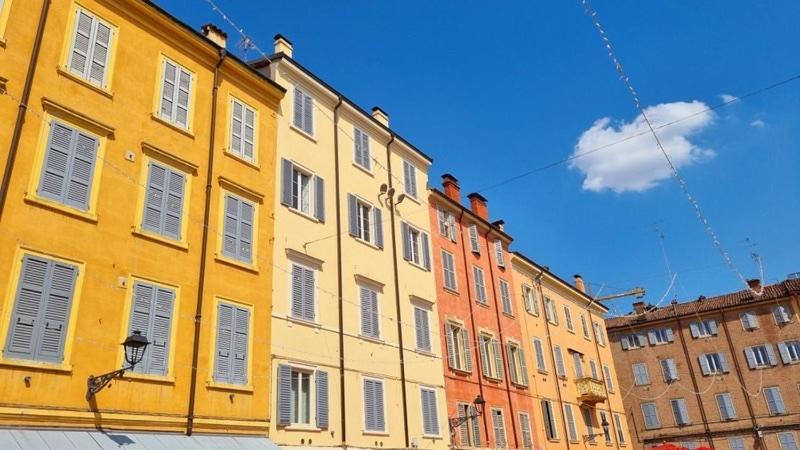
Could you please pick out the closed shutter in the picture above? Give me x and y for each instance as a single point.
(473, 239)
(426, 253)
(499, 429)
(378, 218)
(512, 364)
(240, 343)
(771, 355)
(430, 422)
(151, 314)
(321, 378)
(498, 253)
(369, 313)
(723, 362)
(624, 341)
(90, 48)
(285, 395)
(476, 428)
(571, 429)
(523, 367)
(362, 149)
(242, 137)
(694, 329)
(505, 297)
(232, 344)
(670, 335)
(540, 361)
(498, 359)
(787, 441)
(352, 214)
(559, 357)
(287, 170)
(442, 217)
(222, 364)
(173, 210)
(163, 207)
(319, 198)
(308, 299)
(525, 425)
(410, 179)
(238, 229)
(249, 134)
(422, 329)
(404, 230)
(373, 406)
(652, 336)
(608, 379)
(463, 428)
(69, 166)
(467, 350)
(451, 346)
(774, 401)
(297, 116)
(308, 114)
(175, 92)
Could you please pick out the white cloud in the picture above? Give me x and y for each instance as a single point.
(758, 123)
(637, 164)
(728, 98)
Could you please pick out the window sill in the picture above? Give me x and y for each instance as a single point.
(426, 353)
(134, 376)
(232, 262)
(492, 378)
(184, 131)
(431, 436)
(460, 371)
(100, 90)
(509, 315)
(151, 236)
(571, 331)
(372, 339)
(60, 207)
(251, 164)
(417, 265)
(367, 243)
(375, 433)
(3, 42)
(304, 133)
(302, 214)
(304, 322)
(301, 427)
(363, 169)
(229, 387)
(410, 197)
(451, 291)
(483, 304)
(30, 364)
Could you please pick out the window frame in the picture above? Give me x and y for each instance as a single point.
(296, 398)
(657, 425)
(212, 381)
(239, 153)
(382, 383)
(314, 271)
(69, 44)
(159, 95)
(460, 349)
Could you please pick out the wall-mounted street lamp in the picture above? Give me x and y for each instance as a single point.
(135, 345)
(478, 404)
(590, 437)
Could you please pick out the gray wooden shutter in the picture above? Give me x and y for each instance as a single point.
(523, 367)
(498, 359)
(723, 361)
(297, 291)
(321, 378)
(81, 44)
(352, 213)
(467, 350)
(559, 357)
(485, 366)
(182, 103)
(241, 332)
(222, 364)
(298, 108)
(370, 413)
(173, 210)
(512, 365)
(284, 395)
(476, 428)
(410, 179)
(651, 335)
(451, 349)
(168, 88)
(442, 218)
(69, 166)
(751, 358)
(422, 329)
(426, 252)
(319, 198)
(160, 331)
(141, 318)
(308, 295)
(246, 216)
(231, 227)
(771, 355)
(430, 423)
(712, 326)
(154, 201)
(463, 429)
(499, 429)
(55, 312)
(100, 51)
(378, 219)
(249, 134)
(57, 162)
(670, 335)
(624, 341)
(694, 329)
(237, 125)
(308, 114)
(367, 326)
(784, 351)
(704, 367)
(406, 241)
(287, 168)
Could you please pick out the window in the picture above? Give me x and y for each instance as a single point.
(787, 441)
(529, 299)
(505, 297)
(572, 429)
(498, 253)
(301, 391)
(585, 328)
(361, 146)
(422, 328)
(409, 179)
(650, 414)
(713, 363)
(163, 204)
(459, 355)
(151, 314)
(480, 288)
(607, 430)
(42, 307)
(541, 365)
(374, 412)
(305, 192)
(415, 246)
(774, 401)
(525, 427)
(618, 426)
(176, 89)
(660, 336)
(577, 362)
(760, 356)
(608, 379)
(430, 416)
(470, 429)
(237, 242)
(703, 328)
(303, 114)
(598, 334)
(243, 130)
(783, 314)
(491, 360)
(233, 338)
(736, 443)
(669, 370)
(365, 221)
(517, 367)
(91, 46)
(69, 164)
(550, 311)
(679, 411)
(449, 270)
(474, 244)
(447, 223)
(790, 351)
(499, 426)
(725, 404)
(588, 422)
(370, 319)
(640, 375)
(593, 369)
(561, 371)
(632, 341)
(568, 319)
(749, 320)
(549, 418)
(303, 301)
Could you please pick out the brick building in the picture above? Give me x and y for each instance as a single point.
(722, 372)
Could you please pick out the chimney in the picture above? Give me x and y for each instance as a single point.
(451, 188)
(282, 45)
(214, 34)
(478, 205)
(381, 116)
(499, 224)
(639, 308)
(755, 284)
(579, 283)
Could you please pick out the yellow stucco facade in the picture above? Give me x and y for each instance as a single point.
(85, 242)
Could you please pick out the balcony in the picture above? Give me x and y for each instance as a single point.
(590, 390)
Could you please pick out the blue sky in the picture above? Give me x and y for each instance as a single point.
(491, 90)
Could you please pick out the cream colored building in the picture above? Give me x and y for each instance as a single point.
(355, 355)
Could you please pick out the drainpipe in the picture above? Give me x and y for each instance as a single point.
(201, 282)
(610, 418)
(474, 330)
(694, 383)
(741, 381)
(503, 354)
(340, 293)
(397, 294)
(23, 106)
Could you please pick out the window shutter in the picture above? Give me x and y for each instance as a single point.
(651, 335)
(751, 358)
(473, 239)
(505, 297)
(512, 365)
(237, 125)
(102, 42)
(321, 378)
(625, 343)
(378, 219)
(82, 43)
(222, 366)
(451, 355)
(231, 226)
(771, 355)
(723, 361)
(784, 351)
(704, 368)
(410, 179)
(182, 104)
(442, 219)
(573, 431)
(451, 221)
(287, 169)
(249, 129)
(426, 253)
(246, 216)
(297, 291)
(56, 163)
(498, 359)
(523, 367)
(463, 428)
(670, 335)
(80, 180)
(476, 428)
(422, 329)
(285, 395)
(499, 430)
(168, 89)
(406, 241)
(319, 198)
(69, 166)
(498, 253)
(467, 350)
(241, 330)
(308, 114)
(486, 367)
(430, 424)
(173, 210)
(370, 413)
(141, 314)
(308, 295)
(559, 357)
(352, 213)
(298, 108)
(694, 329)
(367, 326)
(160, 332)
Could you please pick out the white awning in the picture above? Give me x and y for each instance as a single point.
(28, 439)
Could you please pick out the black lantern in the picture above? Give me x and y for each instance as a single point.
(135, 346)
(592, 436)
(479, 403)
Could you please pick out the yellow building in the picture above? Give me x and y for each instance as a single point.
(355, 354)
(571, 367)
(137, 197)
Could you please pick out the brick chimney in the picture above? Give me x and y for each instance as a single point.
(639, 308)
(579, 283)
(499, 224)
(380, 115)
(282, 45)
(215, 34)
(451, 188)
(755, 284)
(477, 203)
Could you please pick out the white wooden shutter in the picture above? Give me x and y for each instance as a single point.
(498, 359)
(498, 253)
(473, 238)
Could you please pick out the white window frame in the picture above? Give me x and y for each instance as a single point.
(172, 119)
(365, 228)
(96, 20)
(297, 173)
(295, 398)
(459, 346)
(415, 245)
(791, 433)
(239, 153)
(529, 300)
(675, 405)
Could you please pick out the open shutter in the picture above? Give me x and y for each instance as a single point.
(463, 428)
(559, 357)
(485, 366)
(297, 118)
(451, 350)
(771, 355)
(670, 335)
(624, 341)
(426, 252)
(473, 239)
(241, 332)
(173, 211)
(28, 304)
(512, 366)
(523, 367)
(695, 330)
(222, 364)
(751, 358)
(297, 291)
(406, 241)
(784, 351)
(651, 335)
(467, 350)
(286, 181)
(712, 327)
(704, 368)
(321, 378)
(352, 213)
(723, 361)
(158, 360)
(378, 219)
(100, 51)
(319, 198)
(498, 359)
(476, 428)
(284, 395)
